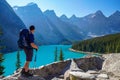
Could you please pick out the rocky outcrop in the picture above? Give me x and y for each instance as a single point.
(90, 63)
(18, 76)
(52, 70)
(24, 78)
(109, 70)
(43, 73)
(73, 67)
(91, 68)
(111, 65)
(81, 75)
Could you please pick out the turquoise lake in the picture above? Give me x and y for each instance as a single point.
(45, 55)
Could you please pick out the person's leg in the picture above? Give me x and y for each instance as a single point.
(29, 55)
(26, 66)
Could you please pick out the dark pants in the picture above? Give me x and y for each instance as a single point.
(29, 53)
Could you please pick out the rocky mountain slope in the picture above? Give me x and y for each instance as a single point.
(49, 28)
(10, 24)
(96, 24)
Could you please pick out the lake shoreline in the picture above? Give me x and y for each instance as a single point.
(89, 54)
(73, 50)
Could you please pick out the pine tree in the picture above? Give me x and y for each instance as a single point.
(56, 52)
(0, 35)
(18, 61)
(107, 48)
(1, 58)
(117, 46)
(1, 32)
(1, 66)
(61, 57)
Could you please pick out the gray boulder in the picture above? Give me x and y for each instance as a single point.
(81, 76)
(112, 64)
(90, 63)
(102, 76)
(73, 68)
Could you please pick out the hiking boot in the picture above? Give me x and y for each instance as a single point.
(23, 70)
(27, 74)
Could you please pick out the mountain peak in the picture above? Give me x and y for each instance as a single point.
(27, 8)
(117, 13)
(31, 4)
(73, 16)
(49, 12)
(99, 12)
(64, 17)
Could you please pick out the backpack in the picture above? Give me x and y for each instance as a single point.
(23, 39)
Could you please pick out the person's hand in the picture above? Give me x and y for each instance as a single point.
(36, 49)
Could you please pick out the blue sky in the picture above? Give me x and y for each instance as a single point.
(69, 7)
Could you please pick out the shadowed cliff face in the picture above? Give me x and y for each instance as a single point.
(11, 25)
